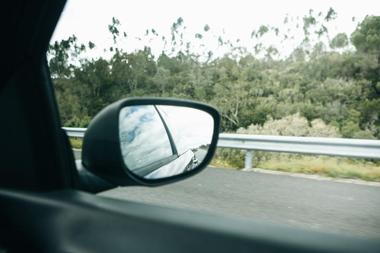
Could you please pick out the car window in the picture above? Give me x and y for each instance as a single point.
(296, 82)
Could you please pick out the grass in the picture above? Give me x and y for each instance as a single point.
(321, 165)
(222, 163)
(327, 166)
(335, 167)
(76, 143)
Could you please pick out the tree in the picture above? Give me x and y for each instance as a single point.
(322, 92)
(339, 41)
(366, 37)
(62, 54)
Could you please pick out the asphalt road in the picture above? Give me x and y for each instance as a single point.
(333, 207)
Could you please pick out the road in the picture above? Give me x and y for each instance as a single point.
(328, 206)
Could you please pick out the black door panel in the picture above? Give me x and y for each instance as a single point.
(71, 221)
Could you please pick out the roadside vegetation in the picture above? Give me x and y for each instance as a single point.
(76, 143)
(328, 86)
(336, 167)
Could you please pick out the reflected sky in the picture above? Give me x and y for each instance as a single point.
(190, 128)
(145, 143)
(143, 138)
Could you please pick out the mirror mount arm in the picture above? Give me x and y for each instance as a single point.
(89, 182)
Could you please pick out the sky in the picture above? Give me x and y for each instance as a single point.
(88, 19)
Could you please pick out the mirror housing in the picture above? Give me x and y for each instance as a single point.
(102, 152)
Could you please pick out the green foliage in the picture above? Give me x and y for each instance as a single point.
(351, 129)
(366, 37)
(114, 28)
(325, 166)
(76, 143)
(292, 125)
(262, 30)
(61, 54)
(339, 41)
(296, 125)
(316, 91)
(331, 14)
(228, 158)
(320, 89)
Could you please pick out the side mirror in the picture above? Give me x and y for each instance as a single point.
(150, 141)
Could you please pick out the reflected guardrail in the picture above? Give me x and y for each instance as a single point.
(354, 148)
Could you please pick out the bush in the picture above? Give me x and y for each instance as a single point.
(76, 143)
(78, 122)
(228, 158)
(293, 125)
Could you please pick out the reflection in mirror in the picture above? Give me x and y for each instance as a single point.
(159, 141)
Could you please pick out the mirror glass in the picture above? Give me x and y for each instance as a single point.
(159, 141)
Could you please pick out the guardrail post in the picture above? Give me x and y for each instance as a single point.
(248, 159)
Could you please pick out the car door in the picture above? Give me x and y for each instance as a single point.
(42, 208)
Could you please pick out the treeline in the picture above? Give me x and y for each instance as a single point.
(334, 80)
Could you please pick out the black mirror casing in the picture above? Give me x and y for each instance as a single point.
(101, 150)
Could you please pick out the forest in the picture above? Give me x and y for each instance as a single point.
(331, 83)
(327, 86)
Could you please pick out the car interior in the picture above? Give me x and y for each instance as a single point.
(50, 205)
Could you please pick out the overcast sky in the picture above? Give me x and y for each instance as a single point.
(88, 19)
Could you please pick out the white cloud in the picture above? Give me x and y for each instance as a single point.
(190, 127)
(144, 137)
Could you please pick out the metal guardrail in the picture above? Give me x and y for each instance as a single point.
(77, 132)
(355, 148)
